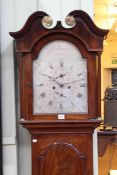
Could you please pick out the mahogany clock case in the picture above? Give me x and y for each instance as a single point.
(60, 146)
(34, 36)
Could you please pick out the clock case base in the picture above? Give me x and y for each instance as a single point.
(60, 147)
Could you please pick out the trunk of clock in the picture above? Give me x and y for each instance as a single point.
(62, 147)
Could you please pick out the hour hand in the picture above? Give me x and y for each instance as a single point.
(60, 76)
(60, 94)
(60, 84)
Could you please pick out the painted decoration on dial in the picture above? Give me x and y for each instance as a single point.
(60, 80)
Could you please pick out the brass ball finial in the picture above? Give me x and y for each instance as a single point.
(70, 20)
(47, 21)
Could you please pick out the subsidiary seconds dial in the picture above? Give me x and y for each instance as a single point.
(60, 80)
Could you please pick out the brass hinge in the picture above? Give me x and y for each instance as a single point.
(29, 84)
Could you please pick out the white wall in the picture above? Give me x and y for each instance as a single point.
(13, 16)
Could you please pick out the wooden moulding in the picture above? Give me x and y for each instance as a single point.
(61, 126)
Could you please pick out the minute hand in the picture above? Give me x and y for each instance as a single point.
(53, 78)
(73, 81)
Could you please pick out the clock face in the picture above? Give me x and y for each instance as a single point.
(60, 80)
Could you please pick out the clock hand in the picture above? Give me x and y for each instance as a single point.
(60, 76)
(47, 76)
(60, 94)
(73, 81)
(60, 84)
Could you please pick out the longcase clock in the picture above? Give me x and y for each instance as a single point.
(60, 91)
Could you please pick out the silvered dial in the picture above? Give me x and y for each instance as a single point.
(60, 80)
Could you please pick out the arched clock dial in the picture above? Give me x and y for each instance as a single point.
(60, 79)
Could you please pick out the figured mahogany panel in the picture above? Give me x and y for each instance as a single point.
(64, 158)
(62, 154)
